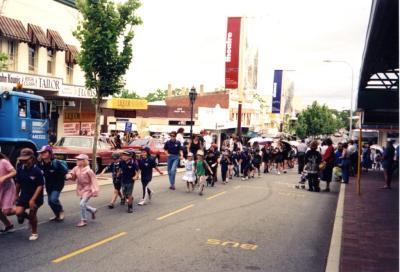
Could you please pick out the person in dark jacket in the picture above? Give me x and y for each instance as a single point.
(54, 173)
(313, 159)
(388, 163)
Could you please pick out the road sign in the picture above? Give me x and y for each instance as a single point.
(128, 127)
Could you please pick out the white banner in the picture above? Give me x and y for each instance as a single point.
(34, 82)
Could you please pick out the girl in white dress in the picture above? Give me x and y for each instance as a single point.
(189, 175)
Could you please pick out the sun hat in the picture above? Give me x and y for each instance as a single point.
(45, 148)
(82, 157)
(26, 154)
(200, 153)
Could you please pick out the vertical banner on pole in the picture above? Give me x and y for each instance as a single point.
(232, 53)
(277, 92)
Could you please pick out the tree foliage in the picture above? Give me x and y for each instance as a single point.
(3, 61)
(158, 95)
(130, 95)
(316, 120)
(106, 47)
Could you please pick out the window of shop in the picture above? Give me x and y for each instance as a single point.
(12, 55)
(69, 72)
(50, 61)
(37, 110)
(32, 55)
(22, 108)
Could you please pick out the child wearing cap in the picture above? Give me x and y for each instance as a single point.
(189, 176)
(113, 168)
(29, 188)
(146, 165)
(128, 172)
(86, 187)
(201, 166)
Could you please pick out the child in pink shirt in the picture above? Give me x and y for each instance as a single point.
(7, 191)
(86, 186)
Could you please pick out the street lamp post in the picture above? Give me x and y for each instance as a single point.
(351, 92)
(192, 97)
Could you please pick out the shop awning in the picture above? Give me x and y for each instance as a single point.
(37, 36)
(378, 92)
(13, 29)
(55, 40)
(71, 54)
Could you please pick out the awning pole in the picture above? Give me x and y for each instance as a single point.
(359, 162)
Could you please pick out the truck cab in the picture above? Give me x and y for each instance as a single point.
(23, 122)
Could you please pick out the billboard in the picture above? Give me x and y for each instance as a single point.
(277, 92)
(232, 53)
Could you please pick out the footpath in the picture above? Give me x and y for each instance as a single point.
(370, 229)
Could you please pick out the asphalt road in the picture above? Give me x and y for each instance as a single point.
(263, 224)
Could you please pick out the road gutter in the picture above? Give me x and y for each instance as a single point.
(333, 262)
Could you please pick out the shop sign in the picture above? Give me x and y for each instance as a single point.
(74, 116)
(34, 82)
(127, 104)
(76, 91)
(88, 128)
(71, 129)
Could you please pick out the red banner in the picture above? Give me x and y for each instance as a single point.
(232, 53)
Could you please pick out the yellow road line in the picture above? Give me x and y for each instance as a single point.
(175, 212)
(82, 250)
(216, 195)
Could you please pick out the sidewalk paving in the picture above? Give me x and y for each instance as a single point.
(370, 239)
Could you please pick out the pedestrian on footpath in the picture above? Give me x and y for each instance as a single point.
(301, 153)
(7, 192)
(146, 165)
(129, 172)
(113, 168)
(224, 162)
(346, 164)
(329, 160)
(190, 173)
(29, 190)
(54, 173)
(201, 167)
(86, 187)
(173, 148)
(236, 162)
(388, 164)
(313, 159)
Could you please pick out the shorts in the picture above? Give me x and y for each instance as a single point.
(117, 185)
(127, 189)
(25, 203)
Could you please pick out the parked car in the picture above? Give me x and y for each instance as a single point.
(68, 147)
(156, 148)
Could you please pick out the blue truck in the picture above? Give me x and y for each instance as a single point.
(23, 122)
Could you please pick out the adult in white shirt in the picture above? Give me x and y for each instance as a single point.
(207, 140)
(179, 136)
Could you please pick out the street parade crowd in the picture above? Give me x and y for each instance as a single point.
(22, 188)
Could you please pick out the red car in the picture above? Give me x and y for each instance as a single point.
(68, 147)
(156, 148)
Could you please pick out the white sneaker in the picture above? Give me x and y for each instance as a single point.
(33, 237)
(141, 203)
(279, 173)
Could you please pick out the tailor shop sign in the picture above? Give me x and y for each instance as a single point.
(76, 91)
(34, 82)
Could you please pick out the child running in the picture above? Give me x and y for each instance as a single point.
(201, 166)
(114, 169)
(129, 172)
(190, 176)
(224, 161)
(7, 192)
(86, 188)
(146, 165)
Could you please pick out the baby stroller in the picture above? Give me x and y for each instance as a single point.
(303, 179)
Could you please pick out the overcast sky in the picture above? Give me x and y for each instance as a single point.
(182, 42)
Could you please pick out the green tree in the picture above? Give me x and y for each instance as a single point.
(3, 61)
(105, 33)
(158, 95)
(127, 94)
(289, 125)
(315, 120)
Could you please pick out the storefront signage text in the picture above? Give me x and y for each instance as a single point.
(32, 81)
(76, 91)
(127, 104)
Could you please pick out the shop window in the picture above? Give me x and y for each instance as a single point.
(37, 110)
(69, 72)
(12, 55)
(22, 108)
(32, 58)
(50, 61)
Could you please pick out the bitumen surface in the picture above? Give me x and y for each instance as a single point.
(261, 224)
